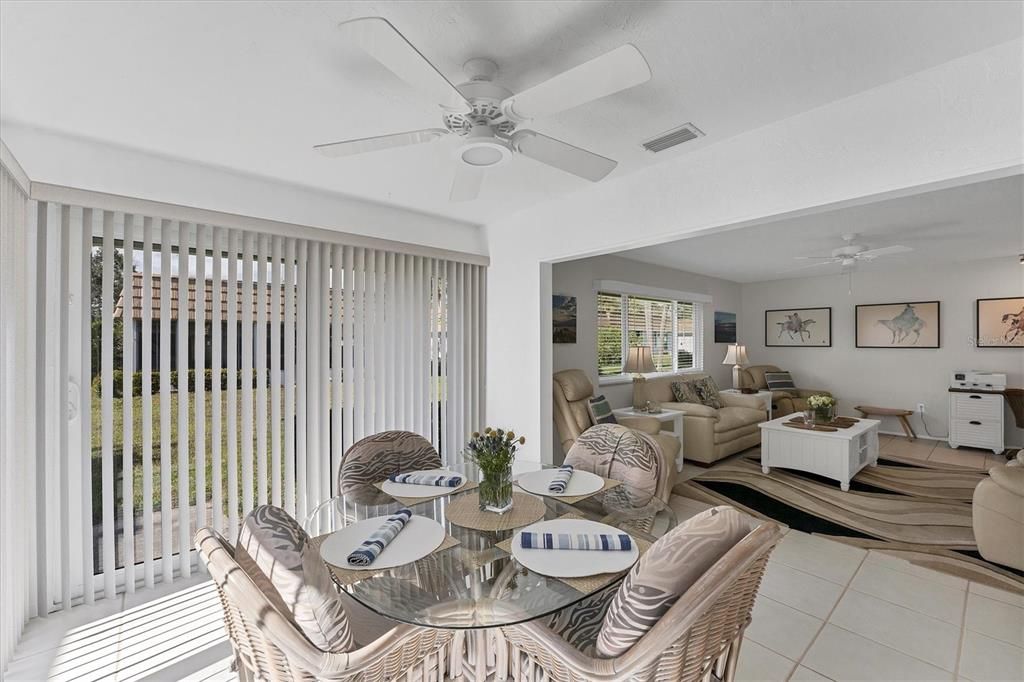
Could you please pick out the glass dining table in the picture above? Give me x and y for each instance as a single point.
(473, 584)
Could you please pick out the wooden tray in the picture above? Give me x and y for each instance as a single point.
(806, 427)
(838, 422)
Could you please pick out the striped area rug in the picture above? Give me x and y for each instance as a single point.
(920, 510)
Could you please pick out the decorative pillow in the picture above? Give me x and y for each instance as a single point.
(778, 381)
(683, 392)
(622, 454)
(273, 545)
(665, 573)
(600, 411)
(707, 392)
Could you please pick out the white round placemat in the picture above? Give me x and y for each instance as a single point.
(581, 483)
(570, 563)
(420, 537)
(425, 491)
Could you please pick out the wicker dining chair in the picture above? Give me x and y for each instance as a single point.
(697, 638)
(376, 457)
(633, 458)
(268, 645)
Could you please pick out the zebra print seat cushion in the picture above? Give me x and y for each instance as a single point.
(580, 624)
(273, 548)
(376, 457)
(623, 454)
(665, 572)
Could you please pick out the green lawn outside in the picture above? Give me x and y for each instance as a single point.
(137, 450)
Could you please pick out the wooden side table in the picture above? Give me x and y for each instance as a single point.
(674, 416)
(872, 411)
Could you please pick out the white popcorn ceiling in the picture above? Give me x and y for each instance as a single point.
(252, 86)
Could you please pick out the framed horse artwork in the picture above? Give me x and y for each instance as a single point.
(798, 327)
(898, 325)
(1000, 322)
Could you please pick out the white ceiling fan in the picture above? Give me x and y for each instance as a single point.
(485, 114)
(851, 253)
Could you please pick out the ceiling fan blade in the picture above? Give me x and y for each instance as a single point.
(382, 41)
(814, 265)
(373, 144)
(884, 251)
(466, 184)
(613, 71)
(562, 155)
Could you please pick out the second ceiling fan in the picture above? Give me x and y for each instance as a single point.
(486, 115)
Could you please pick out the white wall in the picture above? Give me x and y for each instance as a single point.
(576, 278)
(891, 377)
(959, 119)
(53, 158)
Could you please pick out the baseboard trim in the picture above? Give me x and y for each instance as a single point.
(900, 434)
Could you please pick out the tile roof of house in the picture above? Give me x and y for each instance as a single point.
(137, 298)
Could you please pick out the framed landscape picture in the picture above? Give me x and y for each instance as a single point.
(898, 325)
(563, 319)
(725, 327)
(1000, 323)
(804, 327)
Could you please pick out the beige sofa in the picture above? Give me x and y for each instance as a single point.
(998, 514)
(783, 402)
(708, 434)
(572, 389)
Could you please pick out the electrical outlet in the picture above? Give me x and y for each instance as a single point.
(920, 408)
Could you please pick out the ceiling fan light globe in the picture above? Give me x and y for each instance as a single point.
(481, 155)
(482, 149)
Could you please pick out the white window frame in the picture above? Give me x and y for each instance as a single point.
(625, 290)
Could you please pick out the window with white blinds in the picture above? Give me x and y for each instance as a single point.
(672, 329)
(210, 369)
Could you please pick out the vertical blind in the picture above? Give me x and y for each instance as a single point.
(213, 369)
(18, 493)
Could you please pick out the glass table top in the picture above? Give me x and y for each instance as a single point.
(473, 584)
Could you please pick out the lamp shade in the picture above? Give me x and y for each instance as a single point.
(736, 355)
(639, 360)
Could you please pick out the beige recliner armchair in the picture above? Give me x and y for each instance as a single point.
(572, 390)
(708, 434)
(783, 402)
(998, 514)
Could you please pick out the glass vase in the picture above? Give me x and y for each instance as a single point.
(496, 490)
(823, 415)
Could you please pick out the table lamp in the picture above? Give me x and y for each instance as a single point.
(638, 361)
(737, 357)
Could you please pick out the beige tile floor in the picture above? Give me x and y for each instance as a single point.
(828, 611)
(938, 452)
(847, 614)
(825, 611)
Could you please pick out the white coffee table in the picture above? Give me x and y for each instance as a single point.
(835, 454)
(674, 416)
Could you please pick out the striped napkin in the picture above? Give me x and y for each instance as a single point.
(603, 542)
(560, 481)
(366, 553)
(418, 478)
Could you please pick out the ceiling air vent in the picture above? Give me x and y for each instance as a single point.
(683, 133)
